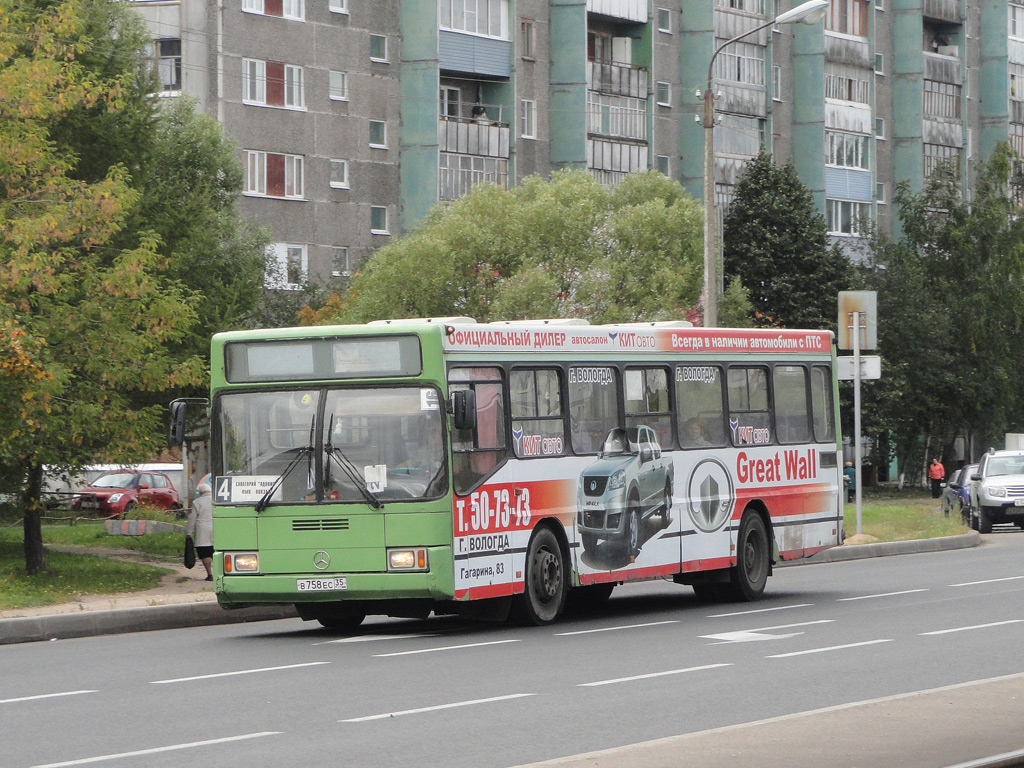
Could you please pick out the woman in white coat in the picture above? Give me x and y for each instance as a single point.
(200, 527)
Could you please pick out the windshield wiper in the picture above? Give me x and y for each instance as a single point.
(349, 468)
(305, 451)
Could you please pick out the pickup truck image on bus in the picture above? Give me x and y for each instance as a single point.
(630, 481)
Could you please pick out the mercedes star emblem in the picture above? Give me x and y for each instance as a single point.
(321, 560)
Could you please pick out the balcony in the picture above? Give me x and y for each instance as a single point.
(631, 10)
(946, 10)
(467, 136)
(1017, 111)
(617, 79)
(942, 68)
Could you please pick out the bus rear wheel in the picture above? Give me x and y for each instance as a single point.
(544, 595)
(750, 574)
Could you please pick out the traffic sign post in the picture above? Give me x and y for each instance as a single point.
(858, 328)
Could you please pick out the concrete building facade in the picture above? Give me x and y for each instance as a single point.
(353, 118)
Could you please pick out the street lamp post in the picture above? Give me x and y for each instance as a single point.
(810, 12)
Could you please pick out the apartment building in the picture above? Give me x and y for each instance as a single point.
(353, 118)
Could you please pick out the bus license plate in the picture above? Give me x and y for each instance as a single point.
(321, 585)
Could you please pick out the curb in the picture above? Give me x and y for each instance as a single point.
(118, 621)
(886, 548)
(208, 613)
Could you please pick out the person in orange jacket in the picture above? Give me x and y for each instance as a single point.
(936, 473)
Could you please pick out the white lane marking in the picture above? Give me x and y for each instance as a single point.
(650, 675)
(986, 581)
(157, 750)
(761, 633)
(369, 638)
(1007, 758)
(759, 610)
(239, 672)
(613, 629)
(436, 708)
(830, 648)
(880, 594)
(442, 648)
(975, 626)
(43, 696)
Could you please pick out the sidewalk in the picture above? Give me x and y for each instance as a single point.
(184, 599)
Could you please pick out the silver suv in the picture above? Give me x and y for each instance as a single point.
(997, 490)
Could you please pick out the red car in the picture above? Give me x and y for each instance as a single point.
(114, 493)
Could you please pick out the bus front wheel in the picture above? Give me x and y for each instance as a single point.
(544, 595)
(750, 574)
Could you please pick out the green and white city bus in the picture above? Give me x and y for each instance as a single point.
(417, 466)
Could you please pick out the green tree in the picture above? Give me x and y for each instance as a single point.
(86, 310)
(951, 311)
(567, 247)
(776, 243)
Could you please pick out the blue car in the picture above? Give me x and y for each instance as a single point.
(956, 495)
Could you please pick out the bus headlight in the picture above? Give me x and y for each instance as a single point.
(241, 562)
(407, 559)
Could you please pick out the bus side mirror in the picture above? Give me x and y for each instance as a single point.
(464, 409)
(179, 412)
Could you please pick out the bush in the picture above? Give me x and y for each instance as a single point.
(149, 512)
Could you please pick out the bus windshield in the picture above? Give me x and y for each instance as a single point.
(352, 445)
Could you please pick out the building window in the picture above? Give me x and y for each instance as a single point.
(879, 64)
(936, 155)
(1016, 20)
(880, 193)
(285, 9)
(269, 174)
(750, 6)
(378, 134)
(457, 174)
(479, 17)
(340, 266)
(846, 217)
(664, 20)
(528, 32)
(339, 174)
(254, 81)
(378, 220)
(846, 150)
(529, 119)
(845, 84)
(450, 102)
(378, 48)
(880, 128)
(168, 63)
(338, 85)
(273, 84)
(663, 94)
(622, 116)
(848, 17)
(741, 63)
(739, 134)
(661, 163)
(941, 99)
(776, 82)
(287, 266)
(337, 6)
(880, 5)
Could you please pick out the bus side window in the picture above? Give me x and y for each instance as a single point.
(700, 406)
(823, 414)
(477, 453)
(749, 417)
(792, 420)
(593, 406)
(538, 420)
(647, 402)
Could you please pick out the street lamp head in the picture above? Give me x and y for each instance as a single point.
(810, 12)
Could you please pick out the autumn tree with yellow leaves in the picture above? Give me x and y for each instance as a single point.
(87, 312)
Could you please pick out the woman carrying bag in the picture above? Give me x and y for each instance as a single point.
(200, 527)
